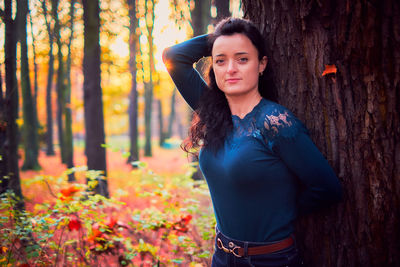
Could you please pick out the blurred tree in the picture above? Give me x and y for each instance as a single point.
(35, 69)
(353, 115)
(222, 7)
(133, 96)
(9, 171)
(60, 82)
(148, 93)
(93, 104)
(69, 144)
(201, 18)
(50, 74)
(171, 114)
(30, 129)
(162, 133)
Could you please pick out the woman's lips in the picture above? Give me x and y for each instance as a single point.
(233, 80)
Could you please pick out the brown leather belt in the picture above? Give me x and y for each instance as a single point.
(239, 251)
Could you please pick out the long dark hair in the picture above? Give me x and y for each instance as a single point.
(212, 120)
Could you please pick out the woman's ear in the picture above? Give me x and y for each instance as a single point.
(263, 64)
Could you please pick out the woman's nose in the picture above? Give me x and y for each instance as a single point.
(232, 66)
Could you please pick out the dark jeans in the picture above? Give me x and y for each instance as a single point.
(286, 257)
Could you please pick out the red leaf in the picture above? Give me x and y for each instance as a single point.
(111, 221)
(74, 224)
(329, 69)
(186, 219)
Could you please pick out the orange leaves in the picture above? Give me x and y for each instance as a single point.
(329, 69)
(68, 192)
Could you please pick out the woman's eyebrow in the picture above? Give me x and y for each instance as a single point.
(236, 54)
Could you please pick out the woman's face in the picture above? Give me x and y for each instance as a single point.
(236, 65)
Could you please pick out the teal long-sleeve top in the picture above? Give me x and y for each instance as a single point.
(268, 170)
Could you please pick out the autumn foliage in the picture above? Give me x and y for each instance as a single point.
(162, 220)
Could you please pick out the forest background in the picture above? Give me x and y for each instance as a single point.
(90, 127)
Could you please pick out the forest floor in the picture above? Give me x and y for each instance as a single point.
(168, 215)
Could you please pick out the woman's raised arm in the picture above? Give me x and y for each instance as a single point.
(179, 60)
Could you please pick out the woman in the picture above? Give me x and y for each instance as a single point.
(261, 167)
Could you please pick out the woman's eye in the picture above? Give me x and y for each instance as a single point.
(243, 59)
(219, 61)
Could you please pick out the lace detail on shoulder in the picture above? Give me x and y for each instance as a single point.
(268, 122)
(281, 125)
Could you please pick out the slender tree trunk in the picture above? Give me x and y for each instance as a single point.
(69, 144)
(148, 99)
(30, 130)
(10, 146)
(200, 19)
(35, 69)
(60, 83)
(353, 116)
(3, 133)
(93, 104)
(133, 96)
(172, 114)
(160, 123)
(50, 74)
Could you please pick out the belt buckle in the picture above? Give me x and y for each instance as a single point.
(220, 245)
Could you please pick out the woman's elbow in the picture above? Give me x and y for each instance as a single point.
(167, 57)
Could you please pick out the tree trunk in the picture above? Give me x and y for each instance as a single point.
(69, 142)
(352, 115)
(60, 83)
(93, 104)
(200, 19)
(10, 146)
(148, 99)
(30, 130)
(160, 123)
(222, 9)
(200, 16)
(133, 96)
(50, 74)
(35, 70)
(171, 114)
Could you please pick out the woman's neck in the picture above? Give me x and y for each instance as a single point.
(241, 105)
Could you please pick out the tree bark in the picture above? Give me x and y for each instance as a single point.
(222, 9)
(200, 19)
(35, 70)
(50, 74)
(148, 95)
(353, 116)
(69, 142)
(93, 104)
(60, 82)
(133, 96)
(9, 162)
(160, 123)
(30, 130)
(171, 114)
